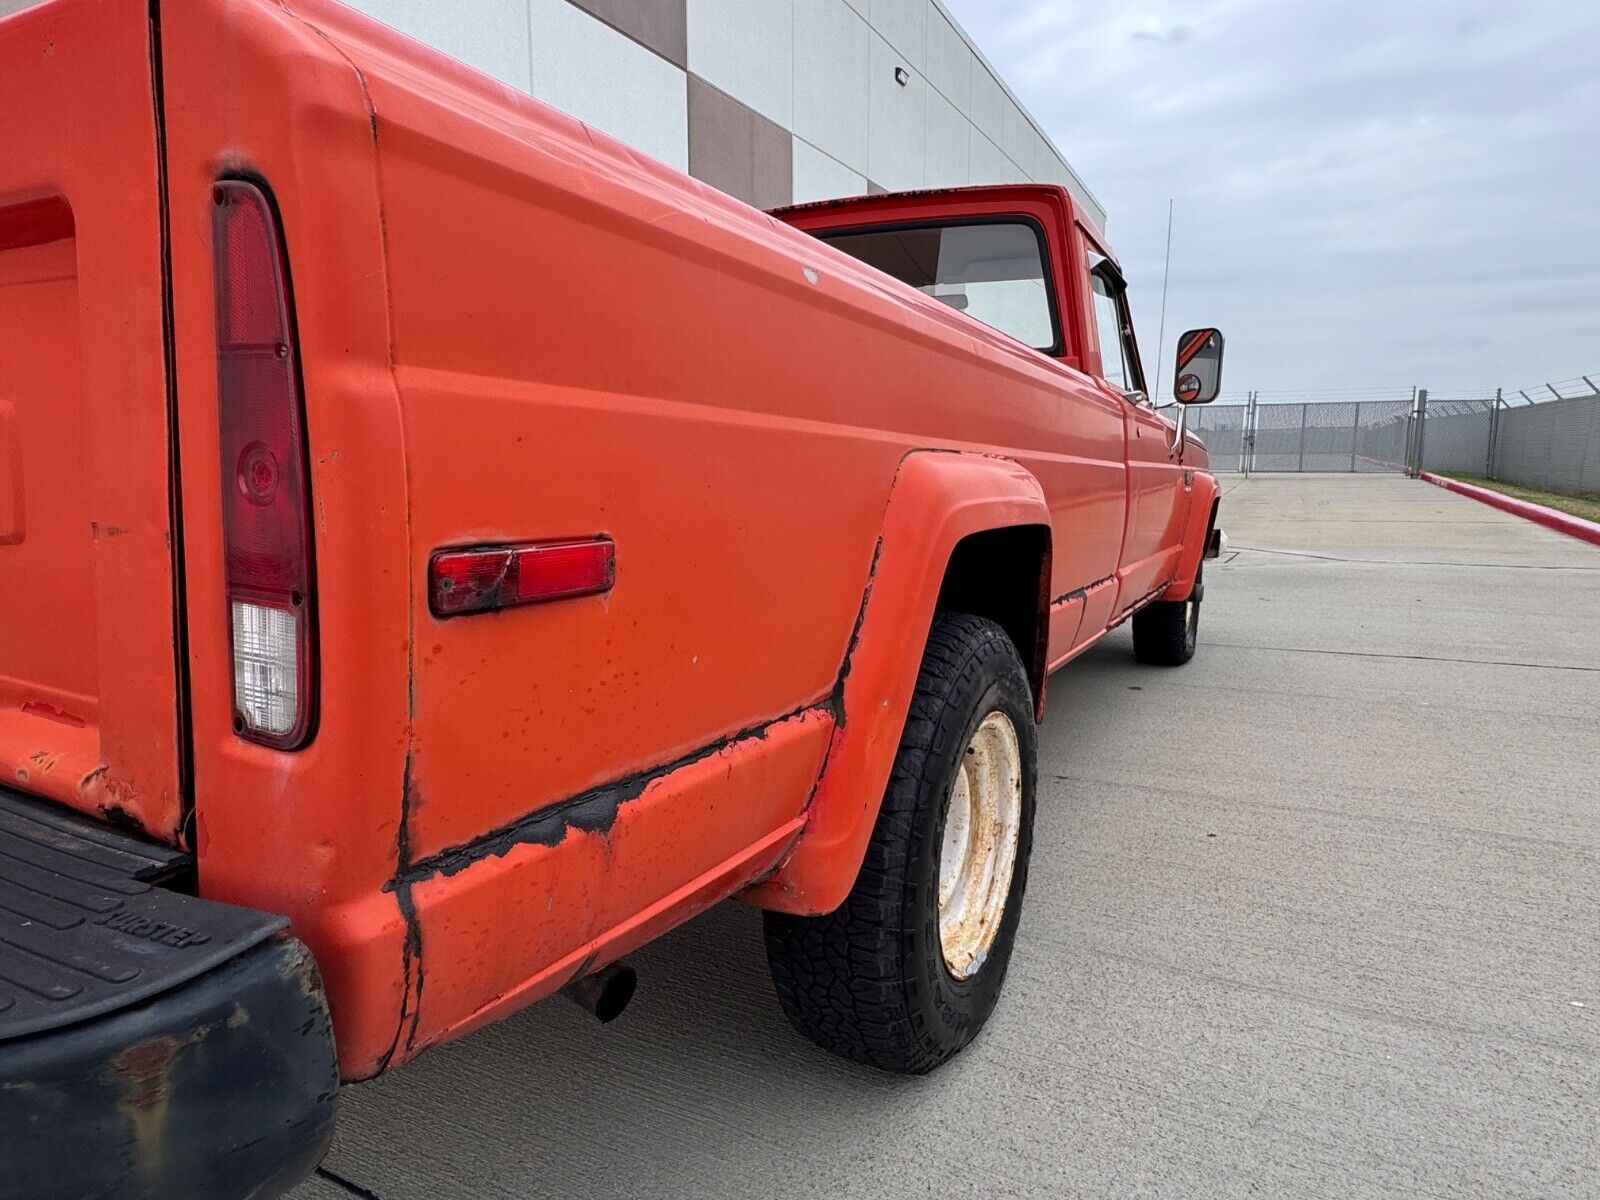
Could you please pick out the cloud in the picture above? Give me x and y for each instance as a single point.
(1365, 195)
(1172, 36)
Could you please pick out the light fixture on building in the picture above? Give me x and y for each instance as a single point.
(902, 76)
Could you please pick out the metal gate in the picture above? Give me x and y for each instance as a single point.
(1364, 436)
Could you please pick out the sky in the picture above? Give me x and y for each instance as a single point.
(1369, 196)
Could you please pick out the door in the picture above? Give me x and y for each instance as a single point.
(1158, 486)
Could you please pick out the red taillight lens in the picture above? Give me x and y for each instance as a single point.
(477, 580)
(266, 517)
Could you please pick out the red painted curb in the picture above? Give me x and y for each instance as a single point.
(1550, 518)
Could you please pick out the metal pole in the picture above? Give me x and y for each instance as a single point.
(1494, 434)
(1591, 383)
(1411, 429)
(1303, 410)
(1244, 436)
(1355, 436)
(1551, 388)
(1255, 419)
(1422, 429)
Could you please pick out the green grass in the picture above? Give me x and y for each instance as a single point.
(1586, 506)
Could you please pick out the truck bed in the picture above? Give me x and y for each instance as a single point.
(89, 682)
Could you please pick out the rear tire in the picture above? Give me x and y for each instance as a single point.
(1167, 632)
(907, 970)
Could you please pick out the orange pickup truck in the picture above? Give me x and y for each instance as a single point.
(443, 549)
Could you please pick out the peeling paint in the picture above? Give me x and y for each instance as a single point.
(593, 811)
(836, 697)
(411, 960)
(1082, 592)
(38, 708)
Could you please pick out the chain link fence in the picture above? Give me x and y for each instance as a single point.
(1360, 436)
(1551, 443)
(1222, 428)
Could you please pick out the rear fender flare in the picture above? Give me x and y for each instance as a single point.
(938, 498)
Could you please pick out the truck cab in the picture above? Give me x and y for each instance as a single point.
(1024, 260)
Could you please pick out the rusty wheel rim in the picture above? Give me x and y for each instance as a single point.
(979, 850)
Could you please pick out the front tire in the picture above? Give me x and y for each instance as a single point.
(1167, 632)
(905, 973)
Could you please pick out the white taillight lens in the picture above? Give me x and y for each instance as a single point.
(266, 668)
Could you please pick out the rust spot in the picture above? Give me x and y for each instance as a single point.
(142, 1075)
(141, 1072)
(120, 818)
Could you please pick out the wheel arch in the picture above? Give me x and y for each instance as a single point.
(1203, 507)
(1004, 574)
(951, 517)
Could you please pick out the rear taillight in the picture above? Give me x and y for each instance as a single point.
(266, 517)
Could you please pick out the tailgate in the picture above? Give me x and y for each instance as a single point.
(89, 699)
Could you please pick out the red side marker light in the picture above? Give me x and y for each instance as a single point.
(489, 577)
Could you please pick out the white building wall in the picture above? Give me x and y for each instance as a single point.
(823, 70)
(804, 102)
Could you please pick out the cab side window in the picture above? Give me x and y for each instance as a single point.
(1119, 353)
(1108, 324)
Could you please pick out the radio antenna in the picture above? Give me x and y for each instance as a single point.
(1166, 277)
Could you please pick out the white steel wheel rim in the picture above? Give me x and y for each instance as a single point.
(982, 826)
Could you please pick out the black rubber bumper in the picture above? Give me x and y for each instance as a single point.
(222, 1088)
(153, 1043)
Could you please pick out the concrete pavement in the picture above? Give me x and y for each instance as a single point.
(1316, 915)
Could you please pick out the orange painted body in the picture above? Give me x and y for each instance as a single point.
(512, 328)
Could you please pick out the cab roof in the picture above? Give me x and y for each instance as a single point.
(863, 207)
